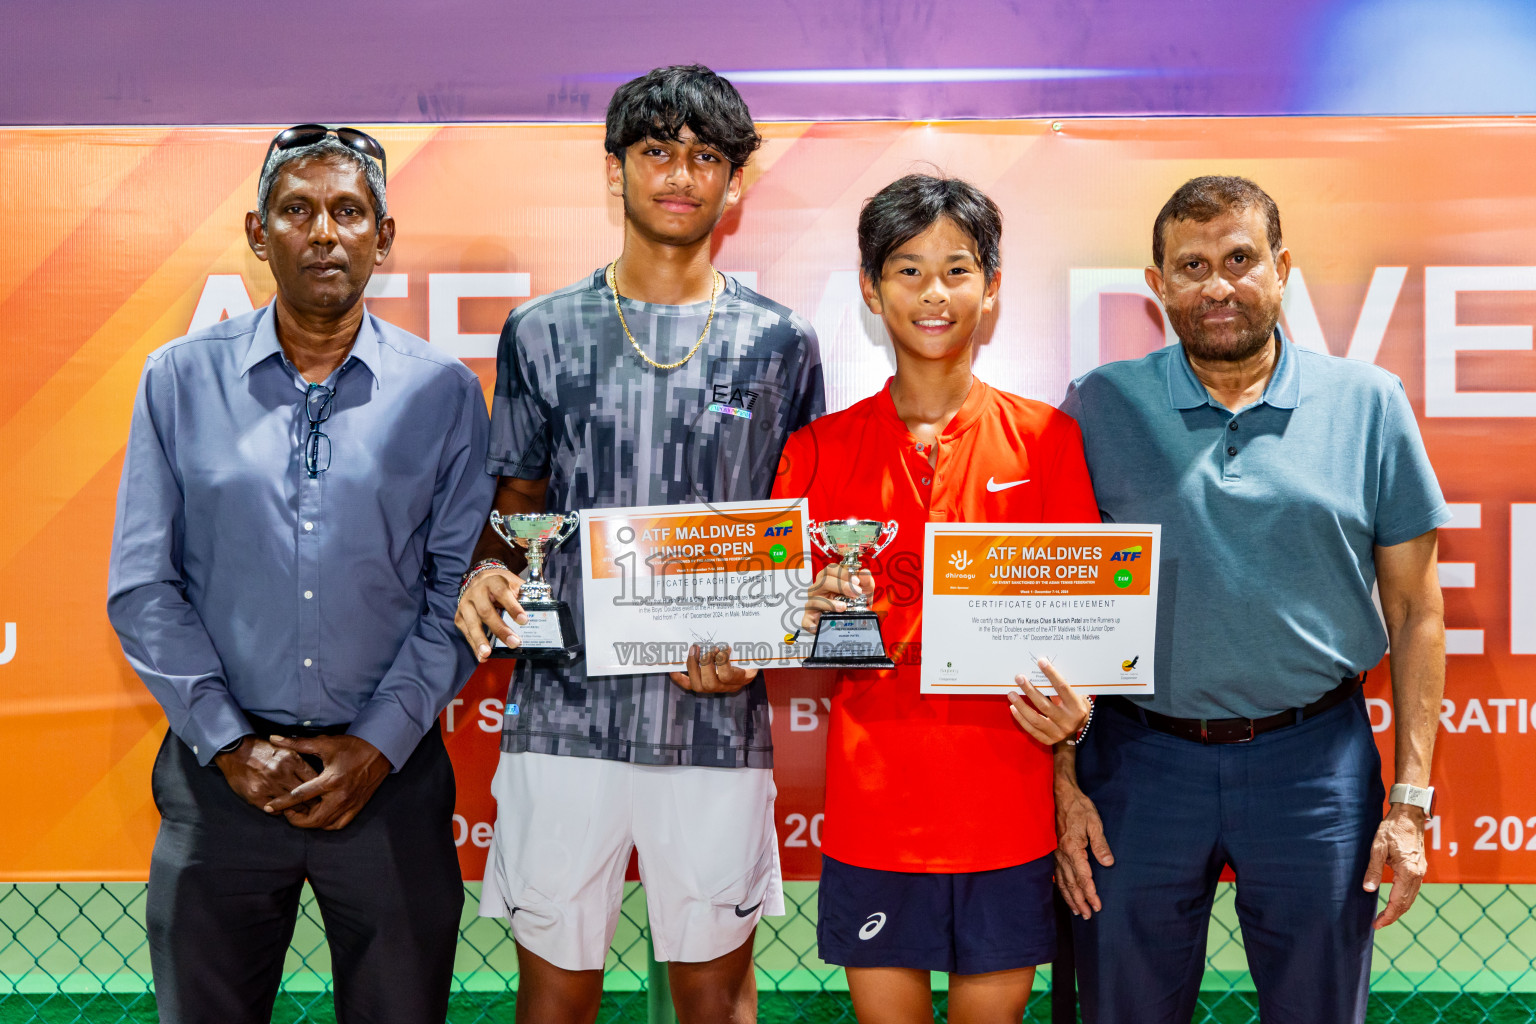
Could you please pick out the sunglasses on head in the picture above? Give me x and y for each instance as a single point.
(305, 134)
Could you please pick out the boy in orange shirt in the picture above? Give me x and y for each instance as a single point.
(937, 849)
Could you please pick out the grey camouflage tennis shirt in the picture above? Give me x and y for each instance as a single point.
(576, 404)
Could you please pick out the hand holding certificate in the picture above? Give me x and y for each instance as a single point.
(1083, 596)
(1041, 717)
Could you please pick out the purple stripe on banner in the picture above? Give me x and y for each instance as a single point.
(286, 61)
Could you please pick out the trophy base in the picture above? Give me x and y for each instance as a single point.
(548, 635)
(848, 640)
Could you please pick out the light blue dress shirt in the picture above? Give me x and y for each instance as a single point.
(1270, 518)
(238, 584)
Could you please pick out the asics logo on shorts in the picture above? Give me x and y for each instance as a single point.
(872, 926)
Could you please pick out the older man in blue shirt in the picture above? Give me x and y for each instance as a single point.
(1288, 483)
(302, 490)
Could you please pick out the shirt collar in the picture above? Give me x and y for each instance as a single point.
(1283, 390)
(264, 344)
(365, 347)
(969, 412)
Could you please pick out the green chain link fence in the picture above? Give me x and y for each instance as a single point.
(76, 952)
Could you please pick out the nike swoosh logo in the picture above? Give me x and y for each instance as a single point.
(748, 912)
(994, 486)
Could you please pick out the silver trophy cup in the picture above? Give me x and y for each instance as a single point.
(550, 632)
(851, 639)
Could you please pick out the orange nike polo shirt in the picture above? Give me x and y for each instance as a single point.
(934, 783)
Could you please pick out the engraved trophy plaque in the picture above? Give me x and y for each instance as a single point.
(850, 639)
(550, 632)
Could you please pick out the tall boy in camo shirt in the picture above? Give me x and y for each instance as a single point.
(594, 409)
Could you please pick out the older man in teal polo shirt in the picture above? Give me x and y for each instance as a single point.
(1288, 484)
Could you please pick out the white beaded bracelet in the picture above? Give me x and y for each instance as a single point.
(1075, 740)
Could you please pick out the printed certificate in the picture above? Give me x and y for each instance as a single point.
(1083, 596)
(658, 579)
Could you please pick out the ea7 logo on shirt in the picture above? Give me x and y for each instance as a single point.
(732, 400)
(1128, 555)
(872, 926)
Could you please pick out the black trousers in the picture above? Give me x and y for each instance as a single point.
(224, 888)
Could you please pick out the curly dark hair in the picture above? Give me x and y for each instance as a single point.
(907, 207)
(659, 104)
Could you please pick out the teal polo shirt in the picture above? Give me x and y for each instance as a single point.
(1269, 518)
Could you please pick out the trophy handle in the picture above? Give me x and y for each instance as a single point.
(889, 532)
(568, 523)
(818, 534)
(499, 525)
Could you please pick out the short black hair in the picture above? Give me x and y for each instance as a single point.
(1205, 198)
(659, 104)
(908, 206)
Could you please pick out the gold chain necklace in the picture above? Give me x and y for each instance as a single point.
(715, 285)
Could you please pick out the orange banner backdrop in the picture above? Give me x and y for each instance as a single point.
(1412, 241)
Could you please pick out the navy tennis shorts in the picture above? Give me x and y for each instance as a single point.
(967, 923)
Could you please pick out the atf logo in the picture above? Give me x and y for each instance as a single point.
(1127, 555)
(781, 530)
(1127, 666)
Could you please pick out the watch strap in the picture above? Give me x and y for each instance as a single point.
(1422, 797)
(233, 744)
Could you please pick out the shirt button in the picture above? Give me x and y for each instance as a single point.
(308, 594)
(926, 481)
(1232, 425)
(311, 526)
(194, 748)
(307, 663)
(308, 723)
(1231, 451)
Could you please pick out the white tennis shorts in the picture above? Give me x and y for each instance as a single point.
(709, 858)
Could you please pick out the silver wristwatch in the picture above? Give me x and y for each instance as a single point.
(1414, 796)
